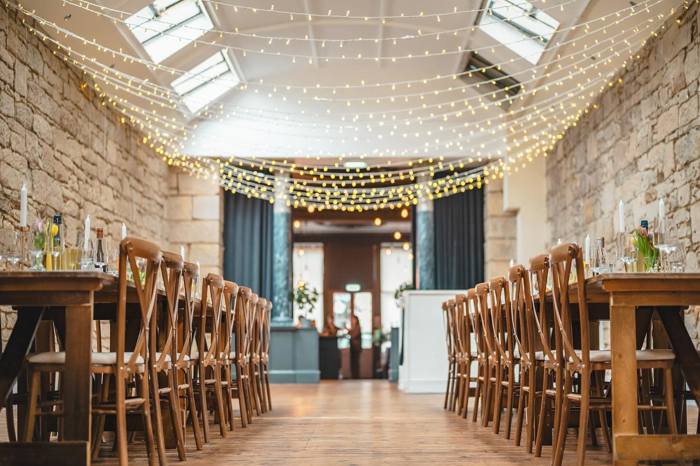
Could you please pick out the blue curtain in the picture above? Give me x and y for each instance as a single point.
(459, 240)
(248, 242)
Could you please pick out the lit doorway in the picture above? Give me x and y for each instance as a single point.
(346, 303)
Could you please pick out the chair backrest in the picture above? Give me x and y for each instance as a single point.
(474, 314)
(185, 338)
(131, 252)
(465, 325)
(267, 315)
(522, 309)
(501, 317)
(210, 322)
(240, 322)
(539, 276)
(566, 258)
(227, 329)
(449, 336)
(258, 328)
(164, 324)
(487, 330)
(250, 323)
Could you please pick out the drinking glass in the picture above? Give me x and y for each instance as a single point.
(87, 261)
(626, 252)
(600, 264)
(666, 241)
(12, 256)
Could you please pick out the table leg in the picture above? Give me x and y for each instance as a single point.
(17, 348)
(77, 382)
(624, 374)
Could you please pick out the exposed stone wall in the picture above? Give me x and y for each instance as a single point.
(194, 212)
(74, 153)
(642, 142)
(499, 232)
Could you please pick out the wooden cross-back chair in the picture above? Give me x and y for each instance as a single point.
(493, 356)
(502, 324)
(241, 332)
(451, 357)
(125, 366)
(522, 309)
(163, 351)
(186, 358)
(265, 352)
(208, 333)
(550, 357)
(482, 359)
(256, 357)
(466, 355)
(228, 355)
(588, 363)
(253, 405)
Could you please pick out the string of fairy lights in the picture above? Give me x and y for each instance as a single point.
(486, 134)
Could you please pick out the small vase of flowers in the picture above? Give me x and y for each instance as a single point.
(647, 252)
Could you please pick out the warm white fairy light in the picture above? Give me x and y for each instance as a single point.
(330, 187)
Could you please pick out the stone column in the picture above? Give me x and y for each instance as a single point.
(425, 244)
(281, 257)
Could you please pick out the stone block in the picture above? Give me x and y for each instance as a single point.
(667, 123)
(191, 185)
(695, 222)
(195, 231)
(179, 208)
(21, 74)
(688, 111)
(206, 254)
(206, 207)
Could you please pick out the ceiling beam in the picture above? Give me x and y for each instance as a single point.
(310, 32)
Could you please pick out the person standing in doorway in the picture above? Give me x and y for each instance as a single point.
(355, 346)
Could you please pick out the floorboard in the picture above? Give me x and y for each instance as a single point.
(360, 423)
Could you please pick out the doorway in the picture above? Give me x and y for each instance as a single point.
(346, 303)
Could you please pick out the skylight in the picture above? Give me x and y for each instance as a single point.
(520, 26)
(206, 82)
(166, 26)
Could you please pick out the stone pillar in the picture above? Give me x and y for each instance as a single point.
(281, 258)
(425, 244)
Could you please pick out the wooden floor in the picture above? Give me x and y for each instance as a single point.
(359, 423)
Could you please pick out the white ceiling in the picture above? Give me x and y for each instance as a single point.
(289, 124)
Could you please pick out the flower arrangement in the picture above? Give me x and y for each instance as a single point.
(647, 253)
(39, 234)
(305, 298)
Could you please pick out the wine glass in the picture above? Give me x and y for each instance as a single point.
(600, 264)
(666, 241)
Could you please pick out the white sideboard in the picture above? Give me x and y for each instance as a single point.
(424, 366)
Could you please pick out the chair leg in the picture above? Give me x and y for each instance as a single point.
(120, 408)
(34, 378)
(203, 402)
(519, 416)
(560, 445)
(242, 407)
(509, 400)
(229, 395)
(218, 389)
(147, 424)
(194, 416)
(447, 388)
(160, 434)
(267, 387)
(477, 395)
(531, 396)
(497, 401)
(467, 386)
(175, 416)
(583, 417)
(670, 405)
(99, 419)
(541, 418)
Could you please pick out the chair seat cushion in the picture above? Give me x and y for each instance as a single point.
(98, 358)
(642, 355)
